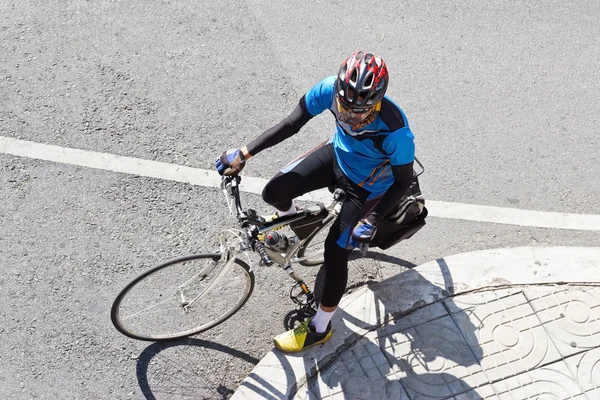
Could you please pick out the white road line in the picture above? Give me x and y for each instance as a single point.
(209, 178)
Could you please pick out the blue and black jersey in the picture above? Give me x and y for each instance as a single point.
(367, 154)
(377, 157)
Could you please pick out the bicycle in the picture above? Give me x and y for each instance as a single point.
(189, 303)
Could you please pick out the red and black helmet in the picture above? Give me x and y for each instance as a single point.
(361, 82)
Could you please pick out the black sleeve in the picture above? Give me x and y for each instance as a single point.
(403, 176)
(283, 130)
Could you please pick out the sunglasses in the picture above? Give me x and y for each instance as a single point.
(358, 110)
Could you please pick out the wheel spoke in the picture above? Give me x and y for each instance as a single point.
(215, 281)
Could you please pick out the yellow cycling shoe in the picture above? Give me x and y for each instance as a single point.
(300, 338)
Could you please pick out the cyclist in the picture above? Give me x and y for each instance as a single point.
(370, 156)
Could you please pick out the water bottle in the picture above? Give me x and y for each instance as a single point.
(276, 241)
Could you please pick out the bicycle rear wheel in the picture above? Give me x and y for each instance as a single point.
(313, 248)
(182, 297)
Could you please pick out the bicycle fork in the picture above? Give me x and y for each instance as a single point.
(185, 302)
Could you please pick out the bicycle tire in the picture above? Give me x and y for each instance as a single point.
(169, 298)
(317, 240)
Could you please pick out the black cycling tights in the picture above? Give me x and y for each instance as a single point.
(315, 170)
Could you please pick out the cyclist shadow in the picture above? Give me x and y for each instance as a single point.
(421, 352)
(295, 316)
(190, 368)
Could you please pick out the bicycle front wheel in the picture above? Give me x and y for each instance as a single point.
(182, 297)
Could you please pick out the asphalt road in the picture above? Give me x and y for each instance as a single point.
(503, 98)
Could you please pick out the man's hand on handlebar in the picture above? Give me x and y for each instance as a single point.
(231, 162)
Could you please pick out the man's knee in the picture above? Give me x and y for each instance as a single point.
(275, 193)
(269, 193)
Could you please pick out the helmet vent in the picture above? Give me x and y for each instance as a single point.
(354, 76)
(343, 72)
(350, 94)
(368, 82)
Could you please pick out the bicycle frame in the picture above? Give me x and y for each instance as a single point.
(253, 227)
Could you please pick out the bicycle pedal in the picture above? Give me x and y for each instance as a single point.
(310, 310)
(302, 298)
(269, 218)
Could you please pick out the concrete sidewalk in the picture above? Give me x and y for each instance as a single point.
(518, 323)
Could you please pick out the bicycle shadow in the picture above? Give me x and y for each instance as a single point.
(190, 368)
(400, 345)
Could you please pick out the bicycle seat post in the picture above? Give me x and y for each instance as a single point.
(288, 268)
